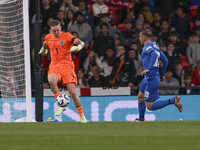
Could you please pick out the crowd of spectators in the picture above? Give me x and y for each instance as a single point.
(112, 52)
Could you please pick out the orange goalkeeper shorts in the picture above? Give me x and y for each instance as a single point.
(65, 72)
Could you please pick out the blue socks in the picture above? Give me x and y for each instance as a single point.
(156, 105)
(142, 108)
(161, 104)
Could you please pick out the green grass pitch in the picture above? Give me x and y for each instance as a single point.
(156, 135)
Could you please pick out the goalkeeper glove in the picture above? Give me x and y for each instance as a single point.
(76, 48)
(43, 51)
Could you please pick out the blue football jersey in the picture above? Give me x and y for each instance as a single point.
(153, 65)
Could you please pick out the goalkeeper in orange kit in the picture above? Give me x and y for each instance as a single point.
(62, 67)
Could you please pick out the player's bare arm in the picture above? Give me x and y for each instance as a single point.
(164, 61)
(144, 72)
(80, 44)
(162, 78)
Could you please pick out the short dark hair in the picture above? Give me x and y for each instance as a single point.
(146, 4)
(177, 62)
(147, 33)
(132, 50)
(55, 23)
(173, 33)
(134, 43)
(181, 7)
(120, 46)
(156, 12)
(169, 69)
(155, 34)
(60, 11)
(170, 43)
(79, 14)
(80, 1)
(194, 34)
(187, 75)
(104, 15)
(164, 20)
(109, 47)
(103, 24)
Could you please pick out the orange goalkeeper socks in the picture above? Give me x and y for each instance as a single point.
(56, 95)
(80, 111)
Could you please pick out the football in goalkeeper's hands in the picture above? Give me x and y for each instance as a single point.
(62, 100)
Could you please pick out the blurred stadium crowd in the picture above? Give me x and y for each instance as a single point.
(110, 30)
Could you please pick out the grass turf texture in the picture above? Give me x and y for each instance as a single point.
(157, 135)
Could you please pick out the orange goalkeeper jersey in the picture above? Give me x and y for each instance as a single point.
(60, 47)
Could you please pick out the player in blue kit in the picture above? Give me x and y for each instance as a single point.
(149, 89)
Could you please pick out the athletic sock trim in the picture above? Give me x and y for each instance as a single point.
(56, 95)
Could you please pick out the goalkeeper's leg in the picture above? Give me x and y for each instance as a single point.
(77, 102)
(53, 79)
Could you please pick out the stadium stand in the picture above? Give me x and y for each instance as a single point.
(119, 13)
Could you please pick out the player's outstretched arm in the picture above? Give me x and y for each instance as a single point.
(164, 59)
(80, 44)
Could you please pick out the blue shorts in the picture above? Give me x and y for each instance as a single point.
(150, 88)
